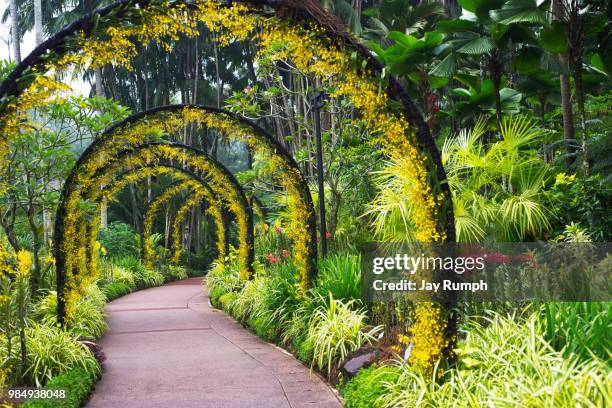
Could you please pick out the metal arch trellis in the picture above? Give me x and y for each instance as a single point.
(134, 152)
(194, 185)
(167, 194)
(295, 10)
(260, 137)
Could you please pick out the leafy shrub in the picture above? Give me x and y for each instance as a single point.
(225, 278)
(304, 351)
(119, 240)
(263, 327)
(147, 278)
(579, 329)
(583, 201)
(78, 384)
(215, 294)
(505, 364)
(340, 275)
(202, 260)
(52, 351)
(251, 300)
(226, 300)
(173, 273)
(143, 277)
(337, 330)
(363, 390)
(119, 274)
(87, 318)
(115, 290)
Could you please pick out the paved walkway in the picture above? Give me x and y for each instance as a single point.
(166, 347)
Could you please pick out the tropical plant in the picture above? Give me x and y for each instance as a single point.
(114, 290)
(86, 319)
(579, 329)
(335, 330)
(366, 388)
(53, 351)
(340, 276)
(119, 240)
(497, 191)
(78, 384)
(503, 362)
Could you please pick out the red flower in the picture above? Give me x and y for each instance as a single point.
(285, 254)
(328, 235)
(272, 259)
(498, 258)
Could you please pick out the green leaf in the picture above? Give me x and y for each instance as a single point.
(461, 92)
(477, 46)
(453, 26)
(406, 40)
(438, 82)
(519, 11)
(553, 38)
(446, 68)
(527, 60)
(597, 64)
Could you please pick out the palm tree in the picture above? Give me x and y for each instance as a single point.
(15, 36)
(38, 23)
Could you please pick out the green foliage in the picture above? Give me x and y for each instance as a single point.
(53, 351)
(498, 190)
(142, 277)
(305, 351)
(223, 279)
(251, 300)
(336, 329)
(119, 240)
(585, 201)
(340, 275)
(87, 317)
(363, 390)
(174, 272)
(77, 382)
(226, 300)
(215, 294)
(115, 290)
(505, 362)
(579, 329)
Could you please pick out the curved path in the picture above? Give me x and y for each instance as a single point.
(167, 347)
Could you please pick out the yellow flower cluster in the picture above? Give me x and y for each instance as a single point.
(312, 54)
(428, 336)
(24, 263)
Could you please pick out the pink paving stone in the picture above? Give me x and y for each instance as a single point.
(166, 347)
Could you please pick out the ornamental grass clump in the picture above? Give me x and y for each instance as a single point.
(87, 318)
(505, 363)
(335, 330)
(53, 351)
(340, 275)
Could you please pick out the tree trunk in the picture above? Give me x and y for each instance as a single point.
(564, 87)
(575, 40)
(15, 35)
(38, 26)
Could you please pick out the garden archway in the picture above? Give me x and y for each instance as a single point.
(150, 158)
(220, 217)
(299, 29)
(194, 185)
(302, 230)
